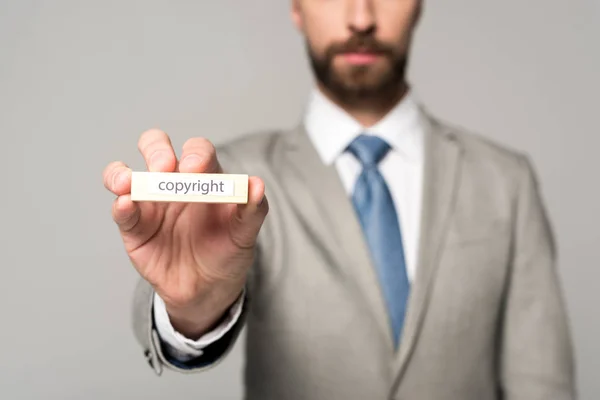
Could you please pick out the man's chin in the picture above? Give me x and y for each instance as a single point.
(361, 85)
(355, 93)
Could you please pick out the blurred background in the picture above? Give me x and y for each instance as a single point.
(79, 82)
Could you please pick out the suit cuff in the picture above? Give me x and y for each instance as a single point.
(185, 349)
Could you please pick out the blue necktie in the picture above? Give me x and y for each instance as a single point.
(377, 214)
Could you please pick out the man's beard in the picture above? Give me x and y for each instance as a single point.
(361, 84)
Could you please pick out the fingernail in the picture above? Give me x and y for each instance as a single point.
(192, 159)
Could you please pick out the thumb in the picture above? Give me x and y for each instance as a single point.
(247, 219)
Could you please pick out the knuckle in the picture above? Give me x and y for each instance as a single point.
(109, 173)
(115, 211)
(111, 166)
(205, 149)
(243, 239)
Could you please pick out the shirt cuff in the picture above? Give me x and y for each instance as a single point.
(183, 348)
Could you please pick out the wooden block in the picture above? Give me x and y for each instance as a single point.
(186, 187)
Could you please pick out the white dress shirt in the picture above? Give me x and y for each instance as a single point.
(331, 129)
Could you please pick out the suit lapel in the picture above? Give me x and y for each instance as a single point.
(317, 194)
(440, 180)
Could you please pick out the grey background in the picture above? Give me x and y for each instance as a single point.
(79, 81)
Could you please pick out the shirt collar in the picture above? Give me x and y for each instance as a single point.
(331, 129)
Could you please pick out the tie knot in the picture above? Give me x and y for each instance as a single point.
(369, 149)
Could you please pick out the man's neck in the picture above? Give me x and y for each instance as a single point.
(370, 111)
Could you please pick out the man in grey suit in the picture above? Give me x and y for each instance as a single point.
(402, 257)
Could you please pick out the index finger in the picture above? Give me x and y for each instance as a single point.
(157, 150)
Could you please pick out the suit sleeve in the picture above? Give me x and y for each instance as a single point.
(156, 350)
(536, 350)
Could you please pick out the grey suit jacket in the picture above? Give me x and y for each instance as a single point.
(486, 319)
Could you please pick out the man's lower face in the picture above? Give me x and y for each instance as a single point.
(359, 76)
